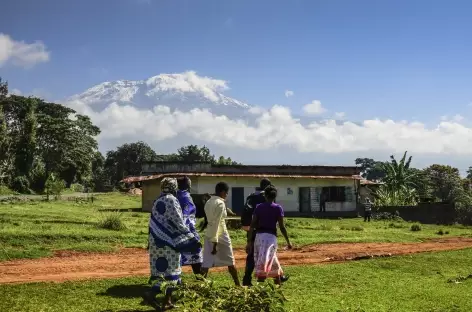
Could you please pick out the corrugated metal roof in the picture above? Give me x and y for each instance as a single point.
(194, 174)
(368, 182)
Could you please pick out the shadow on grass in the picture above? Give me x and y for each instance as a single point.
(122, 210)
(126, 291)
(68, 222)
(137, 310)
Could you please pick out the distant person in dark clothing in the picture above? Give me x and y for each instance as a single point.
(367, 209)
(323, 198)
(252, 201)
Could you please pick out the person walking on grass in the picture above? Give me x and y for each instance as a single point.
(168, 238)
(265, 219)
(252, 201)
(367, 210)
(217, 249)
(189, 211)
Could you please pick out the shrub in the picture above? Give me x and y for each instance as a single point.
(415, 227)
(205, 296)
(396, 225)
(440, 232)
(387, 216)
(4, 190)
(77, 188)
(55, 186)
(21, 185)
(111, 221)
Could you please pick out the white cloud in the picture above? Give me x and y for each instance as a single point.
(456, 118)
(314, 108)
(15, 92)
(340, 115)
(288, 93)
(20, 53)
(277, 128)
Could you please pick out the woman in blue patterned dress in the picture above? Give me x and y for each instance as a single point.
(168, 238)
(189, 211)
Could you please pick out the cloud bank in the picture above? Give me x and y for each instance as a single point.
(20, 53)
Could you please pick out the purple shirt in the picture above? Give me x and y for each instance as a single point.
(268, 215)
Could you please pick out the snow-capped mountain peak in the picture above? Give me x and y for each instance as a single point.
(182, 91)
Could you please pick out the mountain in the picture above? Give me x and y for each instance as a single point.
(184, 91)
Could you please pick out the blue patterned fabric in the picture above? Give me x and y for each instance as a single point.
(168, 237)
(189, 211)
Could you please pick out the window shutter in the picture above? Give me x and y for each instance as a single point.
(349, 194)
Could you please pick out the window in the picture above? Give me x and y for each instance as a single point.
(334, 194)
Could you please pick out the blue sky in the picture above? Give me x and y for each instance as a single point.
(403, 59)
(399, 59)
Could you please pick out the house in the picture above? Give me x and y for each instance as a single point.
(299, 187)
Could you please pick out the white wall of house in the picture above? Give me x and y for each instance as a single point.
(288, 191)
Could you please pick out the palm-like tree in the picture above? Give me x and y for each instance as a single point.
(398, 174)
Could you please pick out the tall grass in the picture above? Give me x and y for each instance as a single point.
(112, 220)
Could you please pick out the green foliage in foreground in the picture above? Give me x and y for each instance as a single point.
(33, 229)
(207, 296)
(429, 282)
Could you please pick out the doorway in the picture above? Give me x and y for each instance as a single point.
(237, 199)
(304, 198)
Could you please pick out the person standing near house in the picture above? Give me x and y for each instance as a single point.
(252, 201)
(189, 211)
(367, 209)
(168, 238)
(323, 198)
(218, 250)
(264, 222)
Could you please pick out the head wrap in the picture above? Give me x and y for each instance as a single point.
(168, 185)
(184, 183)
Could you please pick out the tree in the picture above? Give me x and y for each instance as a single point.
(469, 173)
(445, 182)
(67, 143)
(226, 161)
(398, 174)
(5, 157)
(127, 160)
(194, 153)
(370, 169)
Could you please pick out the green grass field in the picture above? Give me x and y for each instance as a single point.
(409, 283)
(35, 229)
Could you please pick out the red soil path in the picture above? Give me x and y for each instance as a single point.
(67, 266)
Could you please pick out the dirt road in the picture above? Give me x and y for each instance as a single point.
(66, 266)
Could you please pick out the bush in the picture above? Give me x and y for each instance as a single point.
(415, 227)
(21, 185)
(4, 190)
(396, 225)
(111, 221)
(77, 188)
(387, 216)
(55, 186)
(440, 232)
(205, 296)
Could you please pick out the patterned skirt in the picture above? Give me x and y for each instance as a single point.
(265, 256)
(165, 265)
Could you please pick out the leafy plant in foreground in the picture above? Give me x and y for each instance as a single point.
(204, 295)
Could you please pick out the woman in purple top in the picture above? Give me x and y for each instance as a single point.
(265, 219)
